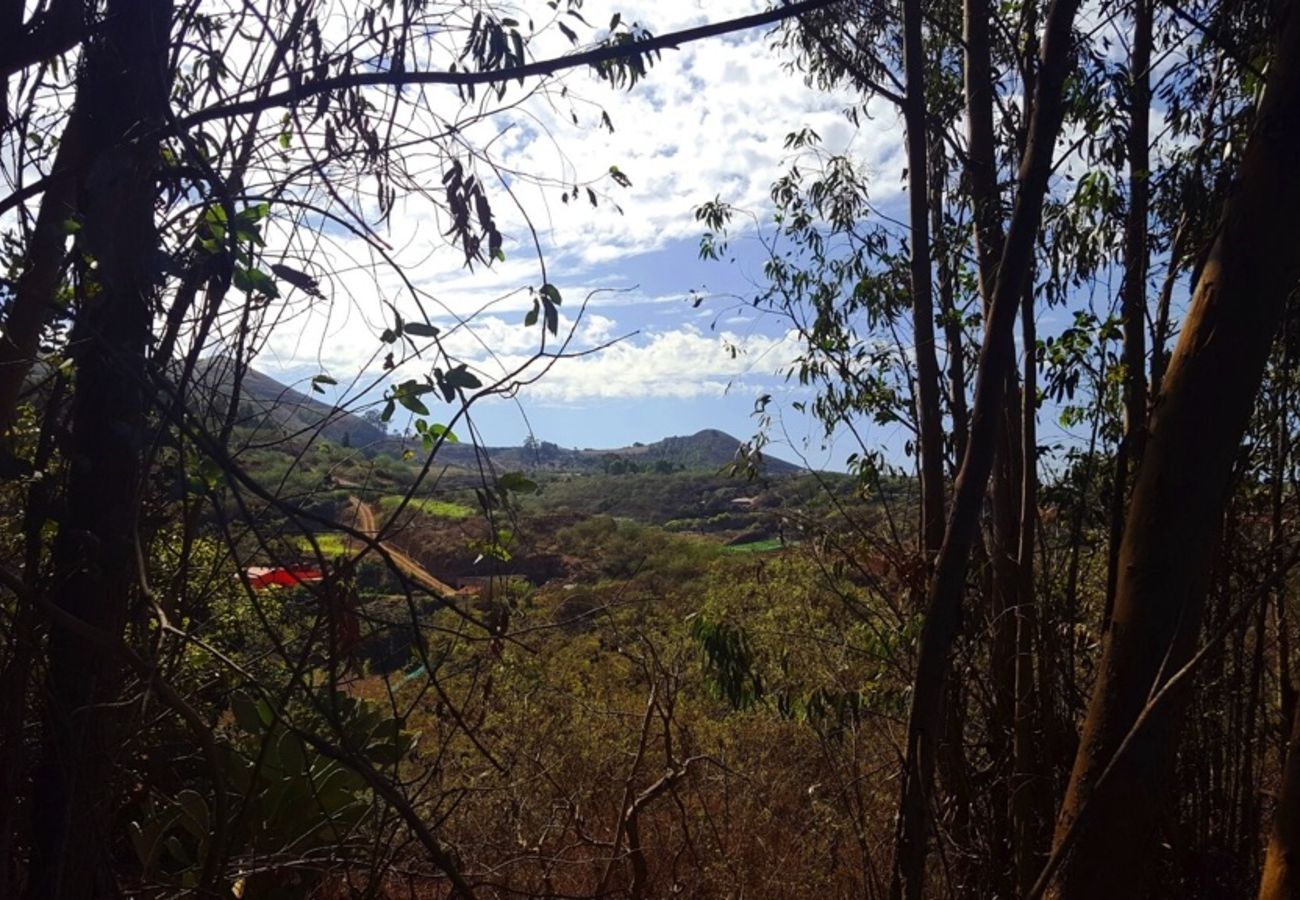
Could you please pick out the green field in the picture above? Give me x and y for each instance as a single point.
(441, 509)
(756, 546)
(330, 543)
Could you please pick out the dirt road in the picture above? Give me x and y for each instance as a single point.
(365, 519)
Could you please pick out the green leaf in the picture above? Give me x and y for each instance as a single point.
(293, 755)
(551, 293)
(413, 403)
(252, 716)
(194, 813)
(419, 329)
(320, 380)
(254, 281)
(442, 431)
(256, 213)
(461, 377)
(531, 318)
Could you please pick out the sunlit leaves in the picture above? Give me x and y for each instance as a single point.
(432, 432)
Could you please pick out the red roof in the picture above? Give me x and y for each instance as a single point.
(268, 576)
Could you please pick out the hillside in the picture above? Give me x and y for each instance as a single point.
(705, 451)
(273, 409)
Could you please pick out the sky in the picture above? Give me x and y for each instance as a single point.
(709, 121)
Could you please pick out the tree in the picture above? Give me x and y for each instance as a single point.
(191, 166)
(1206, 398)
(1121, 206)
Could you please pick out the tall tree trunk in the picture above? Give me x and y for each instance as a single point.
(1133, 295)
(951, 315)
(1004, 579)
(24, 645)
(1279, 882)
(1031, 800)
(1281, 878)
(943, 602)
(33, 306)
(1281, 432)
(928, 416)
(123, 89)
(1106, 827)
(1003, 603)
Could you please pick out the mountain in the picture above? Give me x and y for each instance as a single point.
(270, 405)
(707, 450)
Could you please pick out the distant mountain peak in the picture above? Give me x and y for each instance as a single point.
(293, 411)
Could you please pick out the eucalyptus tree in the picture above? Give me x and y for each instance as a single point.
(1243, 282)
(179, 181)
(1073, 109)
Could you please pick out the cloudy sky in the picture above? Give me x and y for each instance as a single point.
(709, 121)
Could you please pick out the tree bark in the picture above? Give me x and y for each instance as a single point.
(1207, 396)
(1031, 800)
(1281, 878)
(34, 299)
(943, 602)
(928, 415)
(952, 317)
(1133, 294)
(123, 89)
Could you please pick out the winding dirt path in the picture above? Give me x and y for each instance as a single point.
(365, 520)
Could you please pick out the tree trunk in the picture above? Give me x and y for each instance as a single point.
(1178, 500)
(951, 315)
(929, 420)
(1133, 294)
(1281, 878)
(943, 602)
(1003, 603)
(1031, 799)
(33, 301)
(123, 88)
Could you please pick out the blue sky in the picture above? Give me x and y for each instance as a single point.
(709, 121)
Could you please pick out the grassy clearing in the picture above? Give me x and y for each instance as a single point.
(756, 546)
(330, 543)
(440, 509)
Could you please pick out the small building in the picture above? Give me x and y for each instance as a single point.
(262, 577)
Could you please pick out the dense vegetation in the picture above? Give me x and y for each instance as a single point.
(265, 649)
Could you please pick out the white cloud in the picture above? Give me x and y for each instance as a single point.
(710, 119)
(681, 363)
